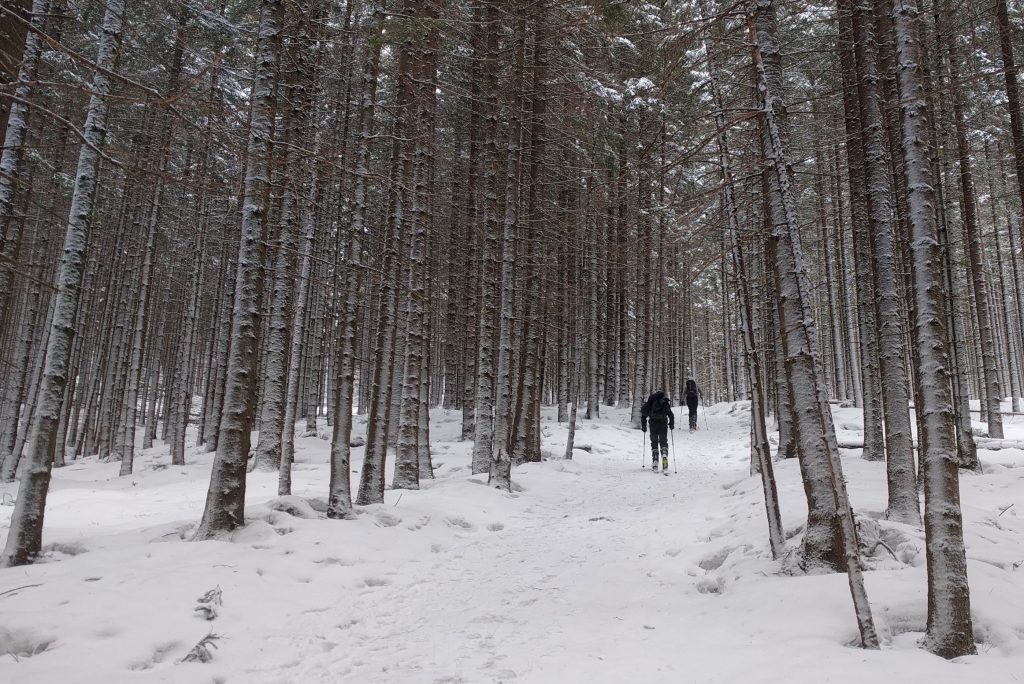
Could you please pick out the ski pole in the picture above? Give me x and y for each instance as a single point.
(674, 468)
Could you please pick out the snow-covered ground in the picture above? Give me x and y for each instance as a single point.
(593, 570)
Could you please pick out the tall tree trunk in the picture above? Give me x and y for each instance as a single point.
(760, 449)
(813, 419)
(418, 65)
(225, 499)
(15, 130)
(489, 286)
(339, 501)
(871, 384)
(972, 237)
(899, 447)
(949, 627)
(24, 540)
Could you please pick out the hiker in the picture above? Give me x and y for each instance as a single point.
(692, 397)
(658, 410)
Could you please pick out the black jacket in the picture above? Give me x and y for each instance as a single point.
(657, 408)
(692, 396)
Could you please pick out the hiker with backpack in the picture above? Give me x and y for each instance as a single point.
(692, 397)
(657, 411)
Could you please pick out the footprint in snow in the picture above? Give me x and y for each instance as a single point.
(419, 524)
(458, 522)
(332, 560)
(387, 519)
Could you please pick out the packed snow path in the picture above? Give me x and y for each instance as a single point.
(575, 585)
(593, 570)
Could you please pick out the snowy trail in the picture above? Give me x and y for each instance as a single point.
(593, 570)
(593, 556)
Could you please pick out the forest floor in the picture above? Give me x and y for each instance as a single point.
(593, 570)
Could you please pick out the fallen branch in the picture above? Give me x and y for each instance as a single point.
(996, 444)
(16, 589)
(886, 547)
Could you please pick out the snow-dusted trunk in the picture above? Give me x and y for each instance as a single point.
(17, 379)
(137, 343)
(1007, 312)
(899, 446)
(949, 629)
(222, 347)
(760, 449)
(297, 326)
(867, 327)
(564, 351)
(371, 476)
(500, 471)
(489, 284)
(426, 464)
(306, 100)
(956, 332)
(11, 152)
(526, 426)
(1010, 76)
(278, 350)
(470, 215)
(788, 447)
(339, 500)
(417, 64)
(812, 417)
(836, 302)
(622, 261)
(24, 539)
(1011, 232)
(525, 431)
(225, 499)
(972, 238)
(275, 359)
(571, 438)
(32, 393)
(314, 357)
(468, 309)
(594, 323)
(641, 372)
(822, 543)
(959, 334)
(180, 390)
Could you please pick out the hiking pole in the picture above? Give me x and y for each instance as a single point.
(643, 450)
(674, 468)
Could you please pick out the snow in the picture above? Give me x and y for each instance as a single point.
(590, 570)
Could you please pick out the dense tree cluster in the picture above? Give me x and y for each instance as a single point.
(224, 218)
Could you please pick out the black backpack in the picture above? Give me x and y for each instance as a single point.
(658, 409)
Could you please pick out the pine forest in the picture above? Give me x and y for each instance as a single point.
(362, 320)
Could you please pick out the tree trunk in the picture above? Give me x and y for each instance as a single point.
(949, 630)
(899, 447)
(760, 449)
(812, 419)
(24, 540)
(225, 499)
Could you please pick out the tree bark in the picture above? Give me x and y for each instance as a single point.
(949, 629)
